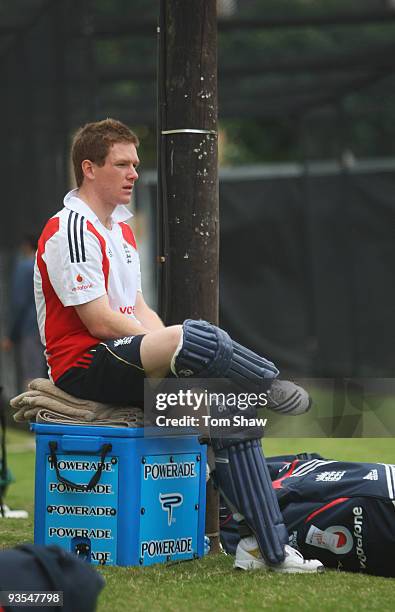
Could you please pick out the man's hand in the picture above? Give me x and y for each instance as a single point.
(104, 323)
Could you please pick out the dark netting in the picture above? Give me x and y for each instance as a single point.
(306, 271)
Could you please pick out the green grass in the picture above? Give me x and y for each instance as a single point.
(211, 583)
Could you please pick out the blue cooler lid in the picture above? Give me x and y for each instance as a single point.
(113, 432)
(87, 430)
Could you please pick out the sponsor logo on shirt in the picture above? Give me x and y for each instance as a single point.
(127, 309)
(336, 538)
(358, 527)
(372, 475)
(82, 287)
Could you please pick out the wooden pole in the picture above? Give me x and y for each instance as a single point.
(188, 172)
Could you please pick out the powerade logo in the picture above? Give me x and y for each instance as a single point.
(169, 501)
(81, 466)
(77, 532)
(155, 548)
(169, 470)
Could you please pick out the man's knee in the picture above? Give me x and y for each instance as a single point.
(174, 335)
(158, 348)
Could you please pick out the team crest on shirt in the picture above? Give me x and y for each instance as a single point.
(128, 253)
(332, 476)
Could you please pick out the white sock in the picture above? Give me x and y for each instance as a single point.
(173, 359)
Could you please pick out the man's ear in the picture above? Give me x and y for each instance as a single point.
(88, 169)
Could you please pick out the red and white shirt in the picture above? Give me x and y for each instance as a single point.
(79, 260)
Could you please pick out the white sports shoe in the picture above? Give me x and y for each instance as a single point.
(249, 557)
(285, 397)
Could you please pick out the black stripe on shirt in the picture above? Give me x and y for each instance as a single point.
(83, 258)
(70, 237)
(75, 235)
(77, 251)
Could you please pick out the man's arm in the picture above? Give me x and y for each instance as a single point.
(147, 317)
(104, 323)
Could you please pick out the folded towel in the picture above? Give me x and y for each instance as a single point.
(46, 403)
(129, 418)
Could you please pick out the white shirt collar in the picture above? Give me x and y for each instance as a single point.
(73, 202)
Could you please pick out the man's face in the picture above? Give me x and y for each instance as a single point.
(114, 181)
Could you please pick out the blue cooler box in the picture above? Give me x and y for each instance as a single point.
(145, 502)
